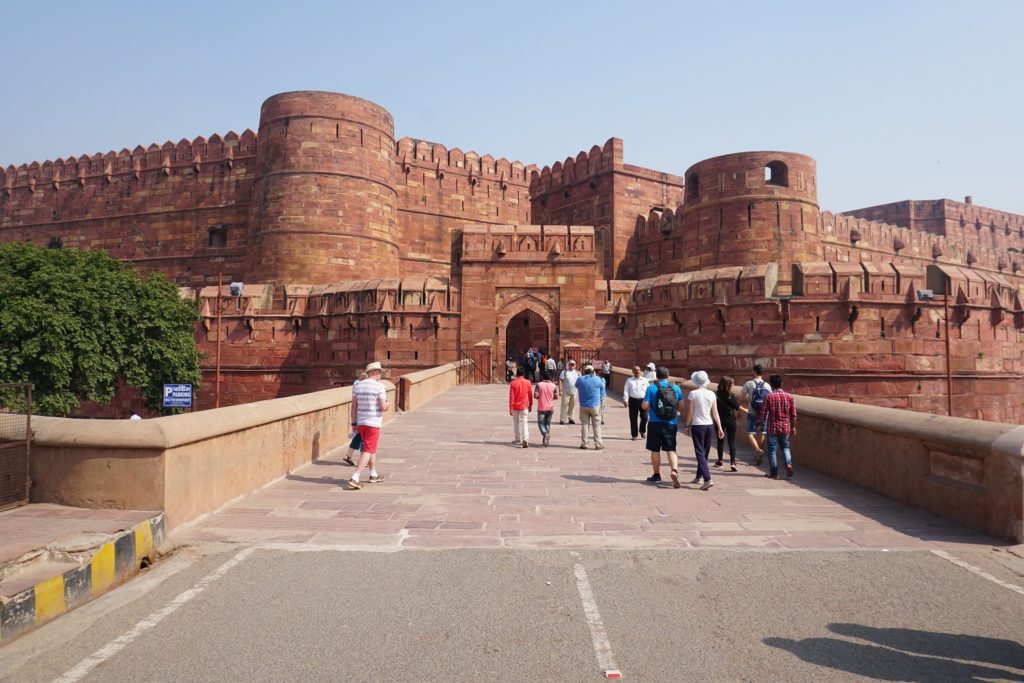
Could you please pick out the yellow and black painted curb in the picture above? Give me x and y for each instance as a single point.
(113, 563)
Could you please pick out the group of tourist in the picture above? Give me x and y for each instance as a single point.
(533, 362)
(655, 405)
(587, 389)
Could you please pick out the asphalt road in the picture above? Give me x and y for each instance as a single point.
(506, 615)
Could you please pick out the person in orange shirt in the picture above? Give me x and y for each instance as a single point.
(520, 402)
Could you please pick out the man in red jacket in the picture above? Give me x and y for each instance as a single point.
(520, 402)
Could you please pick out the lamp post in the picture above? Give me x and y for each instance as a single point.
(928, 295)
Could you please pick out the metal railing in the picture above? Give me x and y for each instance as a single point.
(15, 443)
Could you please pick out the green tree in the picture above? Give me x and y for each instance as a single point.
(73, 322)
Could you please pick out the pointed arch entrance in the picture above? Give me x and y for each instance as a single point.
(526, 330)
(526, 322)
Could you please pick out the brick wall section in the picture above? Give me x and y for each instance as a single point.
(597, 188)
(153, 206)
(442, 190)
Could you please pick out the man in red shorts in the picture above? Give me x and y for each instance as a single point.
(369, 403)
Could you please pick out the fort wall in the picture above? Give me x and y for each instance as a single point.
(440, 190)
(178, 208)
(737, 265)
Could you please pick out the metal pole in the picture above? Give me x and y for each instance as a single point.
(220, 287)
(949, 357)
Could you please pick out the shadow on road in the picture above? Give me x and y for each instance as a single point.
(910, 655)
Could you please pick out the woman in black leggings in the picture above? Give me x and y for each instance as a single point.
(727, 408)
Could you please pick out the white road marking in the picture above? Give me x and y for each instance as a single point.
(75, 622)
(602, 646)
(124, 640)
(983, 574)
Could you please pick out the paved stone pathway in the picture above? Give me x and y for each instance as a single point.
(454, 481)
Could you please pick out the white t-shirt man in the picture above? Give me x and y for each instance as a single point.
(368, 394)
(569, 377)
(703, 399)
(551, 365)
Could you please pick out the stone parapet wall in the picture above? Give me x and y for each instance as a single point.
(186, 465)
(967, 471)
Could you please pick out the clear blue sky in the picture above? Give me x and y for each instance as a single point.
(894, 99)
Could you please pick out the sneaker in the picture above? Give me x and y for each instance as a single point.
(583, 446)
(572, 422)
(654, 478)
(517, 443)
(772, 475)
(634, 438)
(599, 447)
(675, 479)
(718, 464)
(376, 480)
(526, 444)
(696, 480)
(561, 422)
(547, 439)
(707, 485)
(733, 468)
(643, 435)
(789, 470)
(354, 485)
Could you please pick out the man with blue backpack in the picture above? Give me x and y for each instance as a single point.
(755, 391)
(662, 402)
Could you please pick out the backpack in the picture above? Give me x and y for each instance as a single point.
(760, 394)
(665, 402)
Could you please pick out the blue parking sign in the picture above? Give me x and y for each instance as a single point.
(177, 396)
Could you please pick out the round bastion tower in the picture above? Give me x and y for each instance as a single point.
(752, 207)
(324, 203)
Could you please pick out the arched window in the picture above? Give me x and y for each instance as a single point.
(776, 173)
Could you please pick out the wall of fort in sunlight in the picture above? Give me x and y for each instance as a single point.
(355, 245)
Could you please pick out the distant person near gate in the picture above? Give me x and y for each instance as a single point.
(591, 390)
(568, 379)
(633, 398)
(369, 403)
(546, 393)
(520, 402)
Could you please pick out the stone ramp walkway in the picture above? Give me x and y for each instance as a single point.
(454, 480)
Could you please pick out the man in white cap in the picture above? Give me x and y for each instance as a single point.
(369, 403)
(568, 378)
(651, 374)
(702, 423)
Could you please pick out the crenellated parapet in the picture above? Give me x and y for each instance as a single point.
(186, 157)
(411, 153)
(850, 237)
(585, 166)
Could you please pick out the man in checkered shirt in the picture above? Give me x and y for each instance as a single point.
(778, 421)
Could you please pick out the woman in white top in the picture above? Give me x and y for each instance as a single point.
(702, 423)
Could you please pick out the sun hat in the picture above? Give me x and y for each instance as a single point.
(700, 378)
(374, 366)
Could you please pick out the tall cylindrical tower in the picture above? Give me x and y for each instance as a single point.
(324, 203)
(749, 208)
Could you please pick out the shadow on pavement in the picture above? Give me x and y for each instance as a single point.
(908, 655)
(958, 646)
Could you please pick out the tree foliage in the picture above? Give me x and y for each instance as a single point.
(74, 322)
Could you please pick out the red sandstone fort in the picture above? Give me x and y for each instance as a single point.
(353, 246)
